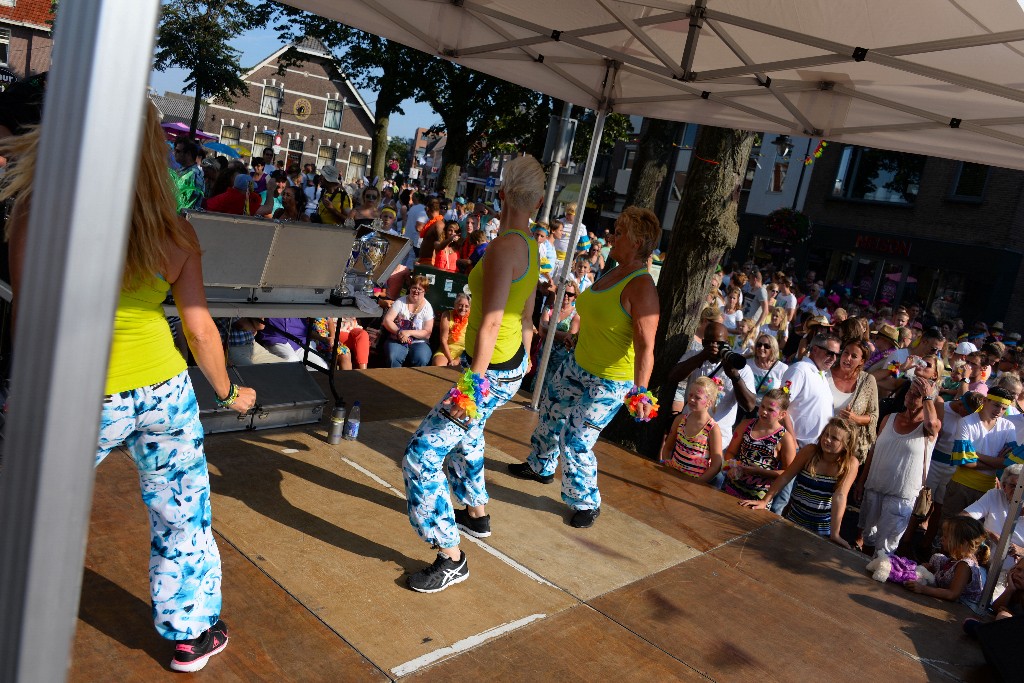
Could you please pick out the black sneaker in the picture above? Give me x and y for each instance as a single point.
(192, 655)
(584, 519)
(477, 527)
(522, 470)
(438, 576)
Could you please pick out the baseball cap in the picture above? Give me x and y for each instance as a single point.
(461, 201)
(964, 348)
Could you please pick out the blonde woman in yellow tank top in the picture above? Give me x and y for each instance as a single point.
(499, 332)
(614, 356)
(150, 406)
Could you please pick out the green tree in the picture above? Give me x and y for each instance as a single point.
(372, 63)
(398, 149)
(469, 103)
(616, 127)
(194, 36)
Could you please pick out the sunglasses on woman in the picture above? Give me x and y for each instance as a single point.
(762, 345)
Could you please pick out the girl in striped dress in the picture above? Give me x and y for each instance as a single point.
(824, 473)
(694, 446)
(761, 449)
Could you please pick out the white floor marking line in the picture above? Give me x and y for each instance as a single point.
(373, 476)
(462, 645)
(509, 561)
(490, 549)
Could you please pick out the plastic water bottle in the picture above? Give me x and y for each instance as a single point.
(337, 425)
(352, 425)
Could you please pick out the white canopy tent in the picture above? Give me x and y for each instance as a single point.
(938, 77)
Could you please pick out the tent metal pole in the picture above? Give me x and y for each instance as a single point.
(995, 565)
(66, 298)
(697, 16)
(556, 164)
(588, 175)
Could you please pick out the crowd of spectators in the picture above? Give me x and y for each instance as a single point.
(839, 408)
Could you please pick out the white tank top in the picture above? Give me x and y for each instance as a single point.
(897, 467)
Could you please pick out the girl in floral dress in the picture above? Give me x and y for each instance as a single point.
(694, 445)
(761, 449)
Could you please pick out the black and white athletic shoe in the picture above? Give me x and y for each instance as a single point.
(477, 527)
(192, 655)
(584, 519)
(438, 576)
(522, 470)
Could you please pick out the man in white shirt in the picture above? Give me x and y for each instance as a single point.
(755, 301)
(810, 398)
(737, 383)
(994, 507)
(415, 218)
(786, 299)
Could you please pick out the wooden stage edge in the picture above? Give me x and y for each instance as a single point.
(674, 582)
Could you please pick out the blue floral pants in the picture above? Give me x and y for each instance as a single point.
(576, 407)
(160, 426)
(426, 487)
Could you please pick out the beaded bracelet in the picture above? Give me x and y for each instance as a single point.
(469, 391)
(231, 397)
(637, 396)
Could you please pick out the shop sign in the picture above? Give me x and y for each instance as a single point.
(884, 245)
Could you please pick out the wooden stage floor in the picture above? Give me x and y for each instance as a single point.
(674, 582)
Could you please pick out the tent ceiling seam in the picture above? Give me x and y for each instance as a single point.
(375, 6)
(644, 39)
(537, 57)
(763, 78)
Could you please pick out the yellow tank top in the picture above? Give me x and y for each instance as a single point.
(143, 351)
(605, 346)
(510, 335)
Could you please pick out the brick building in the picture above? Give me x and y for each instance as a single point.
(25, 41)
(907, 229)
(310, 113)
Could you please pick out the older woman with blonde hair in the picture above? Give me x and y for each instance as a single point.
(498, 336)
(612, 362)
(150, 407)
(766, 366)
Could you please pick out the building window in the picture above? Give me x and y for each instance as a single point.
(294, 153)
(970, 182)
(230, 135)
(326, 156)
(261, 141)
(627, 163)
(878, 175)
(271, 104)
(332, 118)
(5, 42)
(356, 166)
(779, 171)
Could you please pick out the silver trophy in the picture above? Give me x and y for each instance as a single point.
(373, 247)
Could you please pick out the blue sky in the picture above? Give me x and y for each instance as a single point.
(257, 45)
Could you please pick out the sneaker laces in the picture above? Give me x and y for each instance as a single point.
(438, 565)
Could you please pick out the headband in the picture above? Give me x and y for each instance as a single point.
(388, 209)
(1000, 400)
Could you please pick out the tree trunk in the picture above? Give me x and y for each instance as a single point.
(456, 148)
(194, 125)
(380, 141)
(705, 226)
(650, 167)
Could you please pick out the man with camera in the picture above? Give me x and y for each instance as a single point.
(716, 361)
